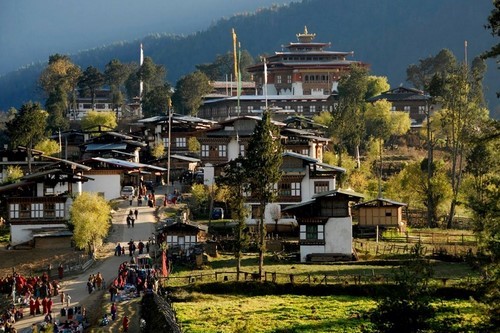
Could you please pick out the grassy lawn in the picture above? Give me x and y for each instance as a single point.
(290, 313)
(287, 313)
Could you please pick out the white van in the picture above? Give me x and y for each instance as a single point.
(127, 191)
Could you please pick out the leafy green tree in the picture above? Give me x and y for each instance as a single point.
(409, 186)
(483, 198)
(460, 116)
(152, 75)
(193, 145)
(60, 72)
(421, 75)
(28, 127)
(132, 81)
(158, 150)
(13, 174)
(57, 106)
(48, 146)
(89, 220)
(199, 199)
(59, 80)
(156, 101)
(189, 92)
(223, 66)
(233, 178)
(94, 119)
(347, 125)
(494, 25)
(381, 123)
(263, 170)
(90, 81)
(115, 75)
(376, 85)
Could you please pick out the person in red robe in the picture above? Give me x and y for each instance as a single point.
(125, 324)
(49, 305)
(32, 306)
(44, 305)
(37, 306)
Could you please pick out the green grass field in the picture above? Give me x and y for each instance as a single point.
(292, 313)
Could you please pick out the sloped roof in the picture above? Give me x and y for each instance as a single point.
(333, 193)
(314, 161)
(379, 202)
(401, 94)
(127, 164)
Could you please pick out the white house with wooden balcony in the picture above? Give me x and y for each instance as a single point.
(38, 205)
(325, 224)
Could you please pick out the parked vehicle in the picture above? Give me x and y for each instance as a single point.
(217, 213)
(127, 191)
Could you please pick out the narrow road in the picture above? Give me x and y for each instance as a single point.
(76, 286)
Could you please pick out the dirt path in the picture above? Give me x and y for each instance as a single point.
(107, 264)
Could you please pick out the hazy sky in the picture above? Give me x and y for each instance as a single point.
(31, 30)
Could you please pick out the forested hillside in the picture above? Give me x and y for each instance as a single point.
(389, 35)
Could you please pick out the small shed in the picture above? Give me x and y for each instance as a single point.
(381, 212)
(183, 236)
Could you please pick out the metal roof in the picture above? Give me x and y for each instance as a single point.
(380, 200)
(105, 146)
(127, 164)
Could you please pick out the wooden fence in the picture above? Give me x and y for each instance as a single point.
(366, 277)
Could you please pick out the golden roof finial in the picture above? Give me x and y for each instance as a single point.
(305, 37)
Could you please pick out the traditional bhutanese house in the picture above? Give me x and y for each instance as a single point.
(325, 224)
(183, 237)
(380, 212)
(179, 164)
(38, 205)
(112, 174)
(156, 129)
(231, 137)
(70, 142)
(18, 158)
(113, 145)
(412, 101)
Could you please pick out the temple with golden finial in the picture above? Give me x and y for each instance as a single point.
(299, 79)
(304, 67)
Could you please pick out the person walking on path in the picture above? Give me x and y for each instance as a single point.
(136, 213)
(113, 311)
(68, 300)
(125, 324)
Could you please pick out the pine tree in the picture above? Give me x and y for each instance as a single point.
(263, 169)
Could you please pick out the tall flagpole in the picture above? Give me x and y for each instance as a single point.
(141, 61)
(235, 60)
(265, 81)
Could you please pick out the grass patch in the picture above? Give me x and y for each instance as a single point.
(201, 312)
(4, 234)
(286, 313)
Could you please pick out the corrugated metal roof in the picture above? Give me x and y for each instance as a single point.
(105, 146)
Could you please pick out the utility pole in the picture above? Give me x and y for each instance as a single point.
(169, 110)
(430, 158)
